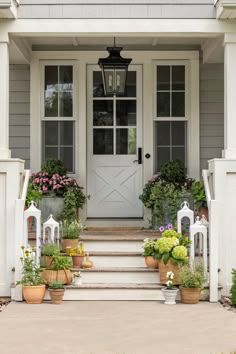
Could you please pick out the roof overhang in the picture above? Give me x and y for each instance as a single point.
(8, 8)
(225, 9)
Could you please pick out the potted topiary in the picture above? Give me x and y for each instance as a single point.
(199, 197)
(56, 291)
(48, 251)
(77, 254)
(33, 284)
(191, 279)
(171, 251)
(149, 251)
(70, 233)
(59, 270)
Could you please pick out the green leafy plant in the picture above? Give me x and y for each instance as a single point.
(199, 195)
(31, 273)
(149, 247)
(50, 249)
(192, 276)
(233, 288)
(56, 285)
(71, 230)
(74, 199)
(33, 194)
(60, 263)
(53, 167)
(172, 246)
(173, 172)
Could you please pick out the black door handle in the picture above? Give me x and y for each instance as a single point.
(140, 157)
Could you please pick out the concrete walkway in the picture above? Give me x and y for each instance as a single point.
(117, 327)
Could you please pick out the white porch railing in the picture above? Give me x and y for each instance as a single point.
(213, 237)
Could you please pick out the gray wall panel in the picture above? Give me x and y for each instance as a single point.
(211, 112)
(19, 110)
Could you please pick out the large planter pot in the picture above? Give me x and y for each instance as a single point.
(151, 262)
(69, 243)
(64, 276)
(33, 294)
(190, 295)
(170, 296)
(56, 295)
(77, 261)
(51, 204)
(169, 267)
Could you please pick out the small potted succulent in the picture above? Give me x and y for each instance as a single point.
(56, 291)
(70, 233)
(77, 254)
(48, 251)
(170, 292)
(59, 270)
(191, 279)
(149, 251)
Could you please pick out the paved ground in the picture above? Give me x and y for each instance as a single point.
(117, 327)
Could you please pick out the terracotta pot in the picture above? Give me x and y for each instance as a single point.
(56, 295)
(77, 261)
(67, 243)
(33, 294)
(203, 211)
(190, 295)
(65, 276)
(169, 267)
(151, 262)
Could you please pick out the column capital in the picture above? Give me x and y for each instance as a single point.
(230, 38)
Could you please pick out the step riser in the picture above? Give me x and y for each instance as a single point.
(120, 277)
(111, 294)
(118, 261)
(113, 246)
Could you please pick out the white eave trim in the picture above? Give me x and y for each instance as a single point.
(8, 8)
(225, 9)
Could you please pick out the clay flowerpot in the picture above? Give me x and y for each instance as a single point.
(64, 276)
(77, 260)
(151, 262)
(203, 211)
(190, 295)
(56, 295)
(169, 267)
(170, 296)
(69, 243)
(33, 294)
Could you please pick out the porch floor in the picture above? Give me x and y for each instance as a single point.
(117, 327)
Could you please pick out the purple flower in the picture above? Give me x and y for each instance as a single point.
(161, 228)
(169, 226)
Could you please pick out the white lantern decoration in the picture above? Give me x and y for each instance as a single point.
(36, 213)
(198, 229)
(52, 227)
(184, 212)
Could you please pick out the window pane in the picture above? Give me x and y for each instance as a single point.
(103, 113)
(66, 105)
(51, 153)
(51, 104)
(131, 84)
(103, 141)
(163, 104)
(178, 77)
(178, 153)
(162, 156)
(163, 77)
(66, 133)
(178, 104)
(66, 155)
(178, 133)
(51, 78)
(126, 112)
(163, 133)
(50, 133)
(66, 77)
(98, 90)
(126, 141)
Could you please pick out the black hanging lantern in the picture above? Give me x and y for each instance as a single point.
(114, 72)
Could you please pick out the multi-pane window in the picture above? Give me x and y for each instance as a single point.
(170, 118)
(58, 118)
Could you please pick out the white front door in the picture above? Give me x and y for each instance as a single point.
(114, 148)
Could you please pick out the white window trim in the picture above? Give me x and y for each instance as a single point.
(191, 111)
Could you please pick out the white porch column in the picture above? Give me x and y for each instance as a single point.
(4, 101)
(229, 95)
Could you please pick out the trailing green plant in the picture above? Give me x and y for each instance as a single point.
(56, 285)
(149, 247)
(74, 199)
(199, 195)
(60, 263)
(192, 276)
(31, 273)
(50, 249)
(233, 288)
(33, 194)
(71, 230)
(53, 167)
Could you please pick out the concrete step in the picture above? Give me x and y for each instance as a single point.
(114, 275)
(117, 259)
